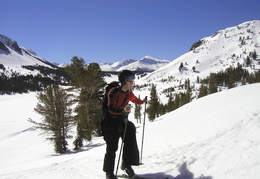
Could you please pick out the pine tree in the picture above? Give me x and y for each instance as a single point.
(248, 61)
(203, 91)
(170, 104)
(188, 94)
(177, 101)
(54, 105)
(230, 78)
(181, 66)
(76, 71)
(95, 85)
(89, 82)
(153, 108)
(213, 83)
(254, 55)
(162, 109)
(137, 112)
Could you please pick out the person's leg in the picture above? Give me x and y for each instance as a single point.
(130, 150)
(111, 136)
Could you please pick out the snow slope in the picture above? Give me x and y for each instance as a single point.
(14, 59)
(215, 136)
(226, 48)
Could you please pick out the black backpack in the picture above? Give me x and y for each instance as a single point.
(105, 98)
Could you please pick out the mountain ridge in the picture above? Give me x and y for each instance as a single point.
(13, 56)
(226, 48)
(147, 63)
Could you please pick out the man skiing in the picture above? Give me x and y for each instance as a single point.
(115, 122)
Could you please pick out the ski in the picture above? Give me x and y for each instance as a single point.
(135, 177)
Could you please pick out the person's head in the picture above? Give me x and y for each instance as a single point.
(126, 79)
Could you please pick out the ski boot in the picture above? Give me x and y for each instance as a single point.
(110, 176)
(128, 169)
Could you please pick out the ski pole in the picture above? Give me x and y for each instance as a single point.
(123, 139)
(143, 130)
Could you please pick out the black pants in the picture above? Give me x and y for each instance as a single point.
(113, 129)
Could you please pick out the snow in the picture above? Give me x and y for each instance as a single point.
(216, 53)
(213, 55)
(217, 136)
(147, 63)
(14, 60)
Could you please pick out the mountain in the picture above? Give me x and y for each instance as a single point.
(215, 137)
(116, 65)
(147, 63)
(22, 70)
(225, 48)
(13, 57)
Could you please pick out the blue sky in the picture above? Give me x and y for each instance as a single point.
(116, 30)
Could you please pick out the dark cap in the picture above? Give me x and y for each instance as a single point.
(125, 75)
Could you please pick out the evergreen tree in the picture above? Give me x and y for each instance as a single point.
(54, 104)
(248, 61)
(181, 66)
(188, 93)
(177, 101)
(77, 71)
(203, 91)
(137, 112)
(170, 104)
(230, 78)
(95, 85)
(153, 108)
(162, 109)
(89, 82)
(213, 83)
(254, 55)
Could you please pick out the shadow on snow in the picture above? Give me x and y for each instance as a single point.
(184, 174)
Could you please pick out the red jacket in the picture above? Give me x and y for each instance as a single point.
(118, 99)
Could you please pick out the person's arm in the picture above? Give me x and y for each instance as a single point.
(134, 99)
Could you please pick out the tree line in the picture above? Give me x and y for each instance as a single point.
(13, 82)
(215, 82)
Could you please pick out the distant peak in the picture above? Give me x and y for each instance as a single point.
(10, 43)
(149, 57)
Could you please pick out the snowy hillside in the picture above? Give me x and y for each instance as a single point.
(145, 64)
(223, 49)
(12, 56)
(216, 136)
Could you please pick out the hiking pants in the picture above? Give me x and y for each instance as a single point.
(113, 129)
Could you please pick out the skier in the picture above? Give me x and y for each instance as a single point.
(114, 125)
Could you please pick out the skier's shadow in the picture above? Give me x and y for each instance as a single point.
(184, 174)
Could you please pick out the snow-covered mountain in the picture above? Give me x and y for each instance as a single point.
(211, 54)
(13, 57)
(226, 48)
(116, 65)
(147, 63)
(215, 137)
